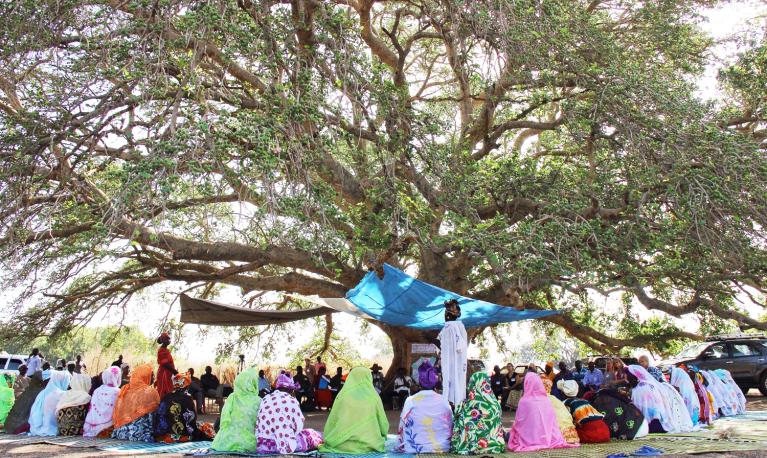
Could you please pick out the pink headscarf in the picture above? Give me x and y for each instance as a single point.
(103, 400)
(535, 425)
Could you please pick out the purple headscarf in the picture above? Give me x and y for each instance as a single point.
(427, 375)
(286, 381)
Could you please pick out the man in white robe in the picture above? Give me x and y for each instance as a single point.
(453, 348)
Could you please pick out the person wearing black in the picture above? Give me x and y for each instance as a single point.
(337, 382)
(195, 391)
(118, 362)
(209, 381)
(305, 394)
(211, 387)
(498, 383)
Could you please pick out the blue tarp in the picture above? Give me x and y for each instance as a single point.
(401, 300)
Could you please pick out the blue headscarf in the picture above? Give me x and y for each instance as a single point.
(42, 417)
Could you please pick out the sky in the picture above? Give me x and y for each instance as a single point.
(146, 311)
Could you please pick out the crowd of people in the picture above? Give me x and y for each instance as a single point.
(119, 402)
(554, 408)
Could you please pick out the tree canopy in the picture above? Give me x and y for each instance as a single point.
(529, 153)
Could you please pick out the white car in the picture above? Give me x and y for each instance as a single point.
(9, 364)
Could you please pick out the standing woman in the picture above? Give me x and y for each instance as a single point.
(167, 370)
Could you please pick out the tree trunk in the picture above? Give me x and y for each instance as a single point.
(401, 337)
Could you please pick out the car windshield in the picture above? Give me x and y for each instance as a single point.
(693, 350)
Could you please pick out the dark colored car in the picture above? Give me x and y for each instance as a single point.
(744, 356)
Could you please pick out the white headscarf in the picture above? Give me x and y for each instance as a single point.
(726, 377)
(42, 417)
(656, 404)
(724, 399)
(682, 381)
(103, 401)
(681, 417)
(79, 385)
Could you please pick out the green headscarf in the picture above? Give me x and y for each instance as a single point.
(357, 423)
(238, 418)
(477, 423)
(6, 396)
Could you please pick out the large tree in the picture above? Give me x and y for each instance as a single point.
(529, 153)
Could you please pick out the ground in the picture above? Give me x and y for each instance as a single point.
(316, 420)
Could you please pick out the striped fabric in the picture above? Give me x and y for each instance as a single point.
(582, 411)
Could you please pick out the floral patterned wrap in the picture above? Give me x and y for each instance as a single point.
(477, 423)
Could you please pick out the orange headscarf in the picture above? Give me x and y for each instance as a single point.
(137, 398)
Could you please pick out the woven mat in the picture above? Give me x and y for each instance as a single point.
(742, 433)
(107, 445)
(669, 444)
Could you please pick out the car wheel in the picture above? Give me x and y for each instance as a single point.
(763, 383)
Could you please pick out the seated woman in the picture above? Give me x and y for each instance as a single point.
(237, 432)
(535, 425)
(564, 417)
(682, 381)
(42, 417)
(280, 426)
(73, 406)
(477, 423)
(132, 418)
(18, 418)
(724, 406)
(676, 406)
(660, 410)
(98, 422)
(175, 420)
(589, 422)
(736, 393)
(7, 397)
(705, 398)
(426, 421)
(624, 420)
(357, 423)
